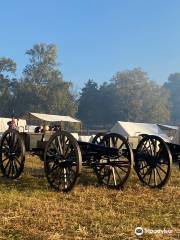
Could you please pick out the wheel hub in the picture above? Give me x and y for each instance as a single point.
(11, 154)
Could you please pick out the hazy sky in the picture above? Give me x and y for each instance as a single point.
(95, 38)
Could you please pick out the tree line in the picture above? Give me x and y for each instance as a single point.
(129, 96)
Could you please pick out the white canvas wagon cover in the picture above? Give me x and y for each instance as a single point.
(50, 117)
(131, 129)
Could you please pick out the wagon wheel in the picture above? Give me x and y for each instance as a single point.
(153, 161)
(62, 161)
(12, 154)
(98, 138)
(143, 135)
(113, 171)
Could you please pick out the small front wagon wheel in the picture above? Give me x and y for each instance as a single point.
(62, 161)
(12, 154)
(153, 161)
(113, 171)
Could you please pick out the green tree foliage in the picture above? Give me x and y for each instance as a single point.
(42, 88)
(7, 70)
(129, 96)
(128, 92)
(88, 103)
(173, 85)
(107, 104)
(140, 99)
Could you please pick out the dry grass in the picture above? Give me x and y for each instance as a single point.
(29, 209)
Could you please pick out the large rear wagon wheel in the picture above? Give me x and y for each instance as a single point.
(114, 171)
(153, 161)
(62, 161)
(12, 154)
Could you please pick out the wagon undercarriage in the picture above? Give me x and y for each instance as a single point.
(109, 155)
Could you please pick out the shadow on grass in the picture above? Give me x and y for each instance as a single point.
(35, 180)
(88, 179)
(24, 183)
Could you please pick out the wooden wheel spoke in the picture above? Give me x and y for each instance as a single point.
(71, 174)
(114, 176)
(114, 142)
(9, 170)
(5, 159)
(53, 168)
(17, 160)
(57, 150)
(13, 168)
(161, 169)
(144, 164)
(54, 176)
(16, 167)
(145, 148)
(18, 152)
(7, 140)
(50, 153)
(117, 173)
(67, 141)
(63, 143)
(107, 143)
(123, 167)
(159, 174)
(158, 154)
(66, 178)
(7, 164)
(155, 147)
(141, 168)
(71, 155)
(13, 140)
(155, 176)
(147, 172)
(150, 177)
(109, 175)
(122, 144)
(58, 177)
(69, 147)
(120, 167)
(103, 171)
(150, 147)
(16, 145)
(60, 146)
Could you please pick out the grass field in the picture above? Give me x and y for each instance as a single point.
(29, 209)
